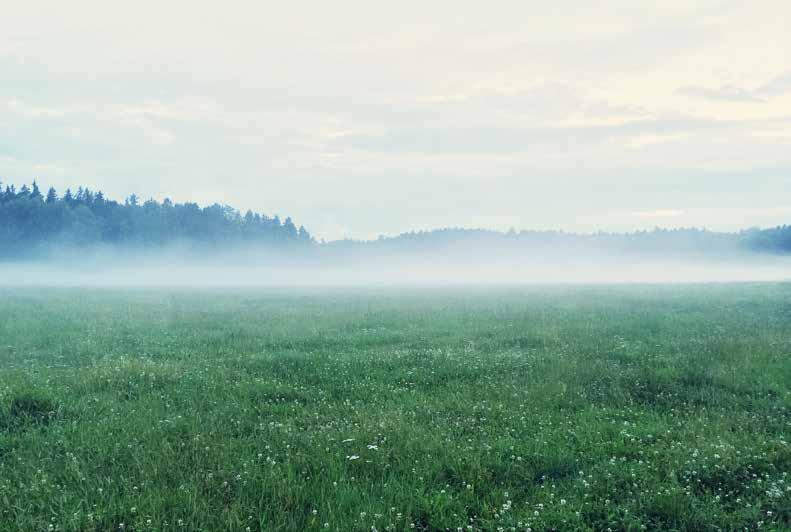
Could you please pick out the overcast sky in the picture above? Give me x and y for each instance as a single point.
(361, 118)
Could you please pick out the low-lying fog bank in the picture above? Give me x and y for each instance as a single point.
(106, 267)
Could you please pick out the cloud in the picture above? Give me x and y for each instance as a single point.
(28, 110)
(184, 109)
(727, 93)
(470, 139)
(778, 86)
(658, 213)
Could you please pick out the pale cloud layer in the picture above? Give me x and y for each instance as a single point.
(360, 118)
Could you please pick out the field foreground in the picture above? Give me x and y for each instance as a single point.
(524, 408)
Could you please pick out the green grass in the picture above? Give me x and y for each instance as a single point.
(542, 408)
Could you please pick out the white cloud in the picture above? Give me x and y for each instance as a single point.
(658, 213)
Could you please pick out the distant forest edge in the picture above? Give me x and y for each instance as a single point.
(31, 222)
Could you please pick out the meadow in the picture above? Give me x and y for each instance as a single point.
(518, 408)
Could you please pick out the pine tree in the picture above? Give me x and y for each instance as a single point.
(290, 228)
(36, 193)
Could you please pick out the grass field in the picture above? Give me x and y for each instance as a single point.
(483, 409)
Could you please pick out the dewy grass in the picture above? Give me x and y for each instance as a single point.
(481, 409)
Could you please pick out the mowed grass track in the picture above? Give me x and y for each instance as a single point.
(521, 408)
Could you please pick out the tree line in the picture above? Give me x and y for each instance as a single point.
(774, 240)
(31, 220)
(658, 241)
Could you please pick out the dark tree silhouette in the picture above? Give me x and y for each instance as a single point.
(35, 192)
(29, 222)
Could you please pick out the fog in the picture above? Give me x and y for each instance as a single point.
(364, 265)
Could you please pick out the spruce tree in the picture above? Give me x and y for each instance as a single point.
(36, 193)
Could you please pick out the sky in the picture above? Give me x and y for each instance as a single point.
(362, 118)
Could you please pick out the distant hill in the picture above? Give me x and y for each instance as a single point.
(683, 241)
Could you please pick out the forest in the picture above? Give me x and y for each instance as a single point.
(655, 242)
(31, 222)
